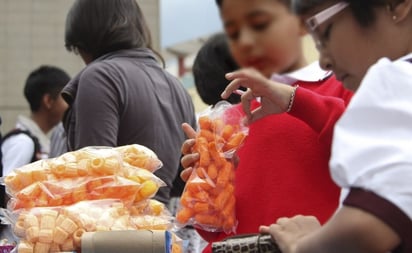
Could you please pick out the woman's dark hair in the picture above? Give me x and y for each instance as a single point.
(211, 64)
(44, 80)
(362, 10)
(98, 27)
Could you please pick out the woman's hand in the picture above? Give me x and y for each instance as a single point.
(189, 158)
(350, 229)
(288, 231)
(275, 97)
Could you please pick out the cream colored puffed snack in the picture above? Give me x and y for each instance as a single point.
(45, 230)
(140, 156)
(54, 229)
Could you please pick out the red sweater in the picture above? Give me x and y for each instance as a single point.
(283, 169)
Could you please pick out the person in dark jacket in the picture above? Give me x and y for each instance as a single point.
(123, 96)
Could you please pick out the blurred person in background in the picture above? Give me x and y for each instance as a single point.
(30, 140)
(211, 64)
(123, 95)
(58, 141)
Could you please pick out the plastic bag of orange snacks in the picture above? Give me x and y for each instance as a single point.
(88, 161)
(69, 191)
(208, 200)
(86, 174)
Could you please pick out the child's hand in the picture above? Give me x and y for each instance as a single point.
(275, 97)
(288, 231)
(189, 158)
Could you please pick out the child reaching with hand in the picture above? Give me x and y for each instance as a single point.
(283, 165)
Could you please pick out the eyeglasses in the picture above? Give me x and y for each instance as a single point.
(315, 21)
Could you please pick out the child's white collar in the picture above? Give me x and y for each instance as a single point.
(310, 73)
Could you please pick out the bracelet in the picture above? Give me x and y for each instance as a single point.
(292, 98)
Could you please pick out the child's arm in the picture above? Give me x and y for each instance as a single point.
(318, 111)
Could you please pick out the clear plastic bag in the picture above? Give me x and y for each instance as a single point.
(69, 191)
(140, 156)
(53, 202)
(56, 229)
(85, 174)
(88, 161)
(151, 214)
(208, 200)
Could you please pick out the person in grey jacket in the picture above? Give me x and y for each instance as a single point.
(123, 96)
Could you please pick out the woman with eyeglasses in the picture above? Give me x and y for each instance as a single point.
(368, 45)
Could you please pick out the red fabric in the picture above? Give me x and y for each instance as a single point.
(283, 168)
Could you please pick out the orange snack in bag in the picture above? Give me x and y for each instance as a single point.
(140, 156)
(208, 200)
(70, 191)
(125, 161)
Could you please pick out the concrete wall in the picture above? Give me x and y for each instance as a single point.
(32, 34)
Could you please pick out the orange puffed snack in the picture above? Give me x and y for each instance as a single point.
(140, 156)
(89, 161)
(70, 191)
(208, 200)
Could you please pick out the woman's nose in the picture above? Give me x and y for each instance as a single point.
(325, 61)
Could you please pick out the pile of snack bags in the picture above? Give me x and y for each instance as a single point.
(54, 201)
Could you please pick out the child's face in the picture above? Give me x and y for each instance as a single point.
(263, 34)
(349, 49)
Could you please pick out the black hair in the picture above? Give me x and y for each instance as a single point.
(98, 27)
(44, 80)
(363, 11)
(211, 64)
(285, 2)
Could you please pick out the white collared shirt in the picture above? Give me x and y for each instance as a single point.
(18, 149)
(310, 73)
(372, 142)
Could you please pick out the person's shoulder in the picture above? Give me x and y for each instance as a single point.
(95, 69)
(112, 67)
(389, 74)
(17, 137)
(97, 74)
(387, 65)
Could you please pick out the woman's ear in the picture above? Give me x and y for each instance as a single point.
(400, 9)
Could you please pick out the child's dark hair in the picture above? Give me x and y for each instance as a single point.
(363, 11)
(211, 64)
(285, 2)
(44, 80)
(98, 27)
